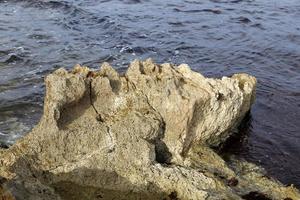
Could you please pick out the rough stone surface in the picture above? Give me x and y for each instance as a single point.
(146, 134)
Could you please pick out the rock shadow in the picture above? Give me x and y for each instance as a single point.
(84, 183)
(71, 112)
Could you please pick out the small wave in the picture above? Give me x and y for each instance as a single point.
(258, 25)
(105, 58)
(236, 1)
(137, 50)
(49, 4)
(142, 50)
(132, 1)
(4, 53)
(138, 35)
(39, 36)
(13, 59)
(193, 2)
(176, 23)
(244, 20)
(214, 11)
(232, 1)
(58, 5)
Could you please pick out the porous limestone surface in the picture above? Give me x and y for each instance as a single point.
(146, 134)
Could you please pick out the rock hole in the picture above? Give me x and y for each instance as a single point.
(220, 96)
(173, 196)
(2, 180)
(162, 154)
(232, 182)
(142, 70)
(115, 86)
(255, 195)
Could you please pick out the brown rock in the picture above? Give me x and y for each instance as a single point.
(143, 135)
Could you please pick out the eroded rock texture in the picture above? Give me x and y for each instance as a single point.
(142, 135)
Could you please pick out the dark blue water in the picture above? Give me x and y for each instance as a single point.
(216, 37)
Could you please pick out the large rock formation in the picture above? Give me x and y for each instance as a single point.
(142, 135)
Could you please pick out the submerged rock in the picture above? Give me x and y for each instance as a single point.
(146, 134)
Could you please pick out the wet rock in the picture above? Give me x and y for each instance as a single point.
(146, 134)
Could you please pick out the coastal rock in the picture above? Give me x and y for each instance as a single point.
(146, 134)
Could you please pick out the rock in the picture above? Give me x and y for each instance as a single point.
(146, 134)
(196, 110)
